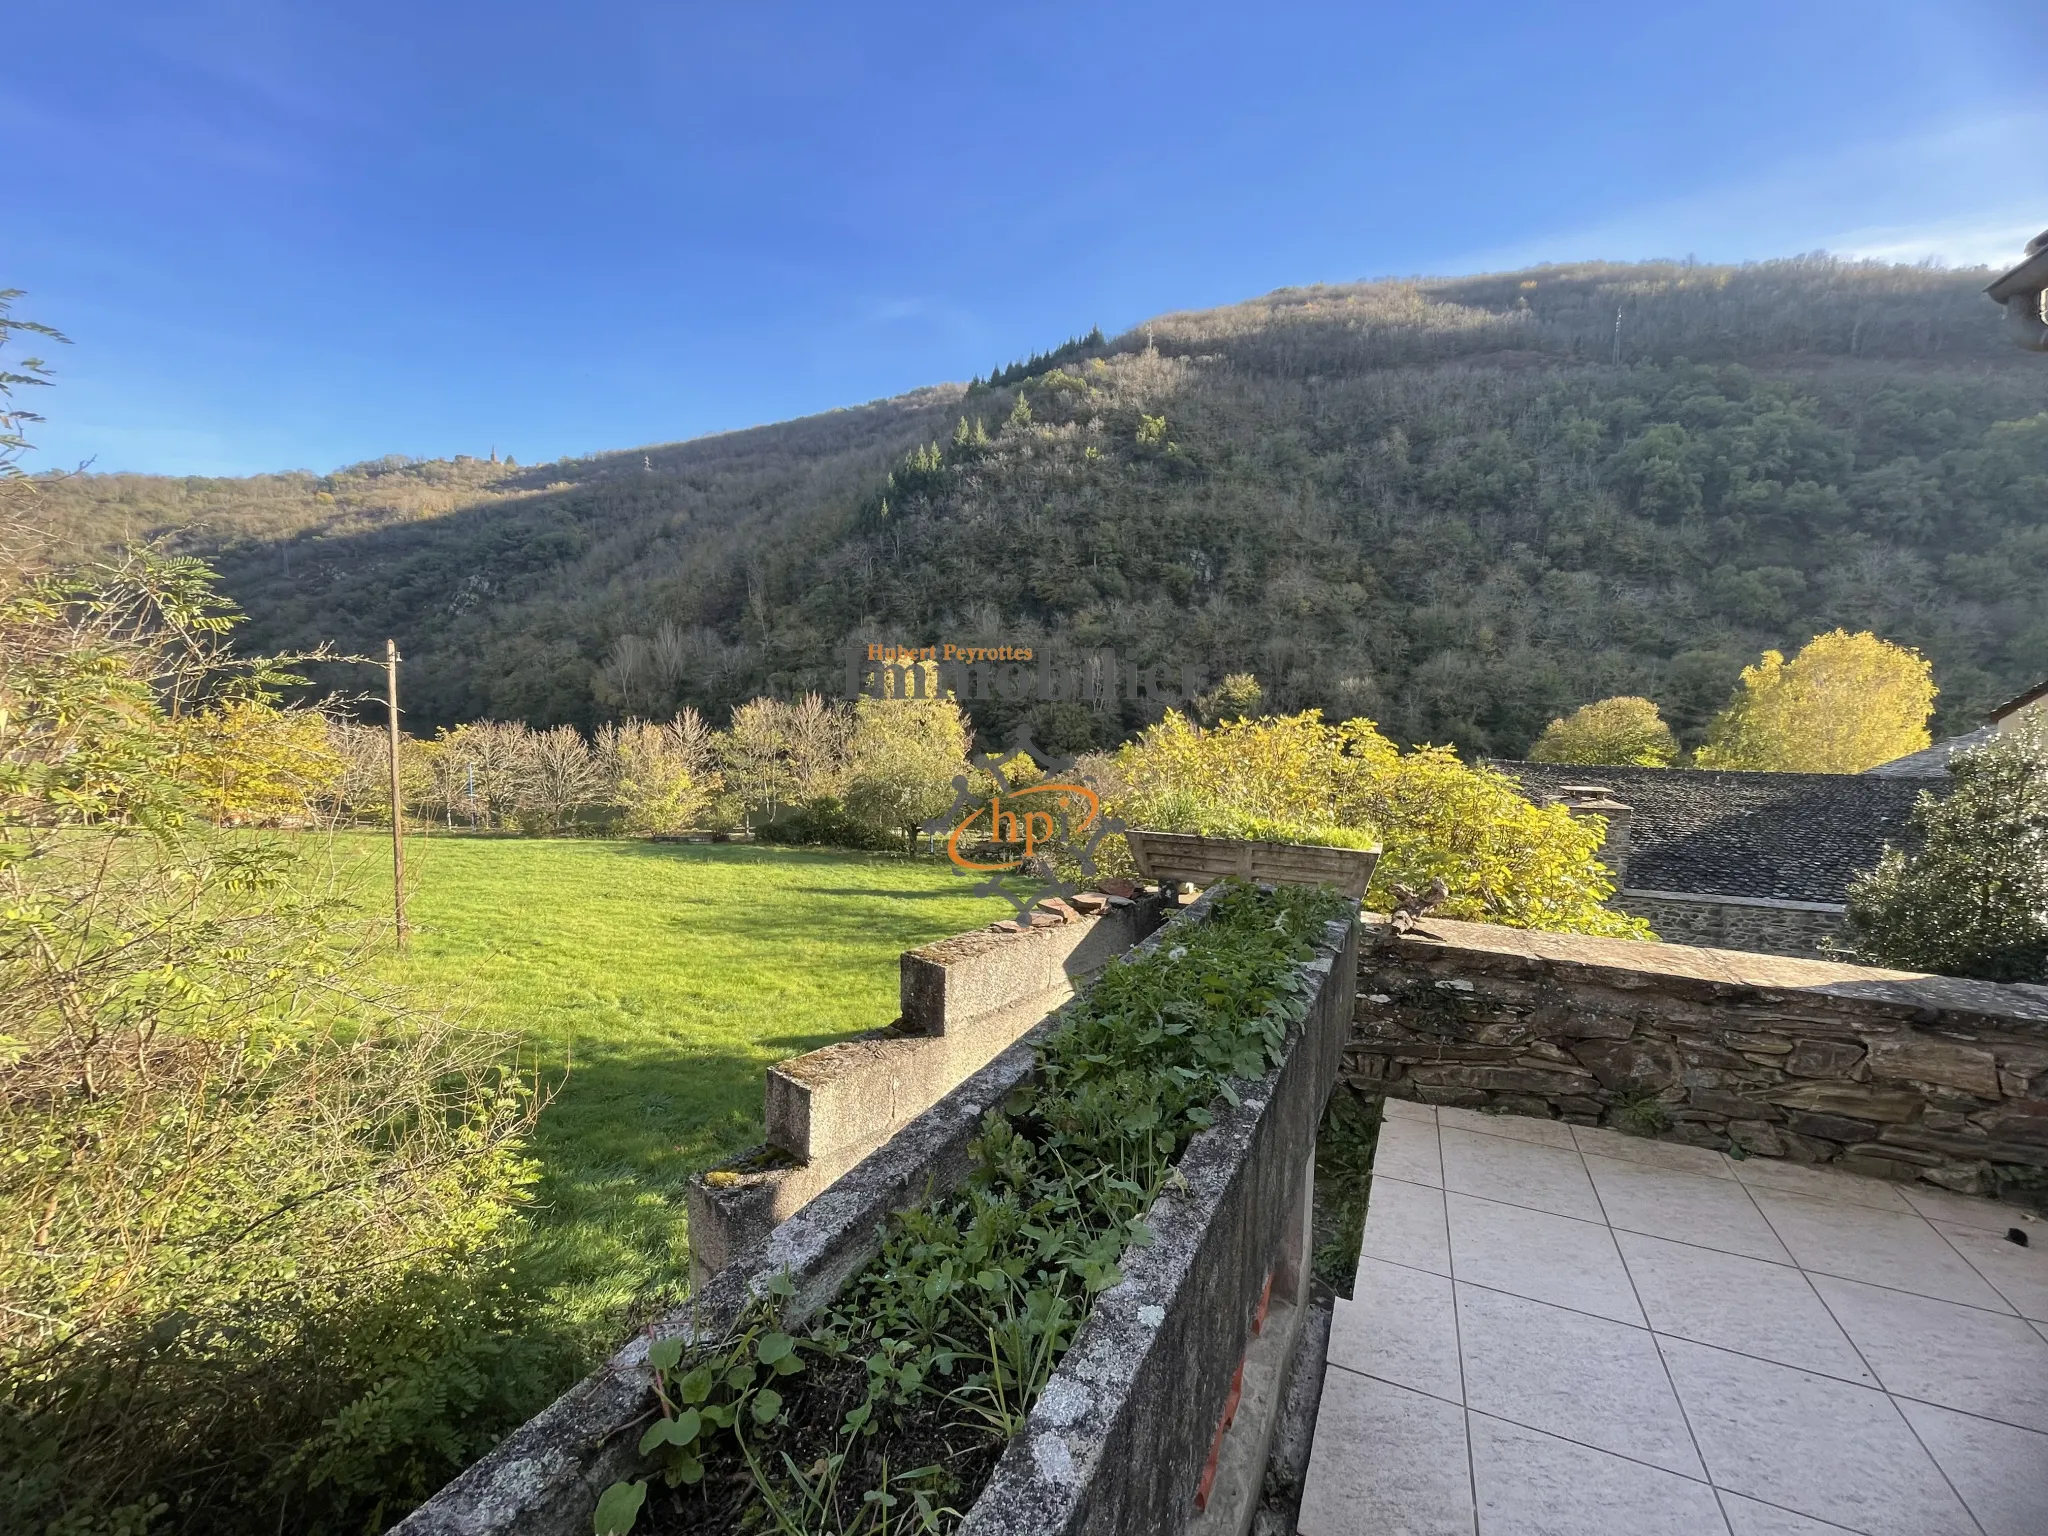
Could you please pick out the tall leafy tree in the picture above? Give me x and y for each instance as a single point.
(1237, 697)
(257, 1212)
(1973, 899)
(1843, 704)
(28, 372)
(1619, 730)
(906, 755)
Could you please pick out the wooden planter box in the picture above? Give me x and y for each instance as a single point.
(1168, 858)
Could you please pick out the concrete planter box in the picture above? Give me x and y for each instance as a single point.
(1126, 1429)
(1167, 858)
(1128, 1425)
(965, 1000)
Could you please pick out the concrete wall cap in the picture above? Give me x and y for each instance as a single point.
(1914, 995)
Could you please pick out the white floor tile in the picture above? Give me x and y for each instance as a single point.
(1747, 1517)
(1787, 1302)
(1807, 1443)
(1404, 1224)
(1406, 1149)
(1583, 1378)
(1818, 1183)
(1767, 1310)
(1532, 1484)
(2001, 1472)
(1544, 1133)
(1386, 1462)
(1407, 1109)
(1542, 1178)
(1400, 1326)
(1965, 1210)
(1981, 1362)
(1541, 1256)
(1707, 1212)
(2018, 1274)
(1673, 1155)
(1894, 1248)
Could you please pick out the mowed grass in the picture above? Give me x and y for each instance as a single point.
(652, 984)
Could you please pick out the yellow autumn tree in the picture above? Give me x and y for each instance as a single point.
(1843, 704)
(1505, 860)
(1620, 730)
(246, 763)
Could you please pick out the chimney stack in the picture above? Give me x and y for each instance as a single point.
(1584, 800)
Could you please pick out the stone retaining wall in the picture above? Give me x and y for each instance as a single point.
(1800, 928)
(1891, 1073)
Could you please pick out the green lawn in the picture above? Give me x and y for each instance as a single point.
(664, 978)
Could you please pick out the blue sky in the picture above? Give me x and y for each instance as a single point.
(293, 236)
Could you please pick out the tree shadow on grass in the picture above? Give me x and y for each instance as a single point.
(637, 1117)
(616, 1150)
(812, 936)
(750, 853)
(836, 890)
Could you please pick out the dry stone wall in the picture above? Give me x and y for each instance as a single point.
(1890, 1073)
(1767, 927)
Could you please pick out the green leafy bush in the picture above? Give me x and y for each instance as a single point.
(258, 1215)
(1187, 812)
(826, 822)
(1627, 729)
(887, 1410)
(1972, 899)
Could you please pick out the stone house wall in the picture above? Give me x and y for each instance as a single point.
(1736, 922)
(1890, 1073)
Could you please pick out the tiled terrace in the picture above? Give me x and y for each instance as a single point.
(1573, 1332)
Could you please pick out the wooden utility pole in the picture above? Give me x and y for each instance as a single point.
(397, 799)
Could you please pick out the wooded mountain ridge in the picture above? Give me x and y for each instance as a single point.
(1459, 507)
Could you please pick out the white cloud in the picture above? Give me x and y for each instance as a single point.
(1996, 241)
(1968, 193)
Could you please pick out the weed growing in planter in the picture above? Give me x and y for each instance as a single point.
(888, 1410)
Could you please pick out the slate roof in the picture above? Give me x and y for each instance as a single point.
(2014, 705)
(1932, 762)
(1783, 836)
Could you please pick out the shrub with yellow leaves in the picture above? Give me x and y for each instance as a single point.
(1505, 860)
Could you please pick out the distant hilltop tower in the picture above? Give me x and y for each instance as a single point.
(2024, 293)
(494, 453)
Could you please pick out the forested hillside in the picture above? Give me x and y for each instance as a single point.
(1460, 507)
